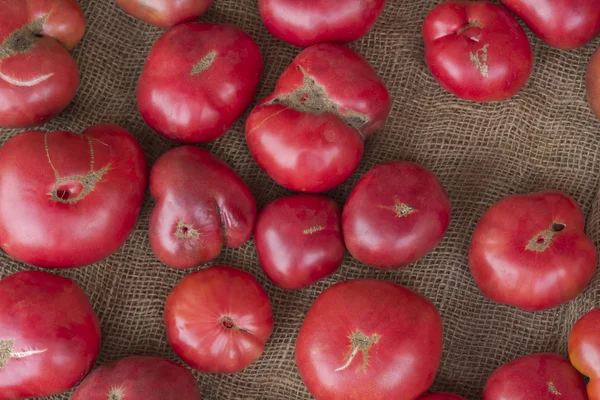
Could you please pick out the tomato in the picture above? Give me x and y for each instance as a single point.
(584, 350)
(307, 22)
(139, 378)
(544, 376)
(165, 13)
(69, 200)
(38, 77)
(396, 214)
(49, 335)
(198, 80)
(369, 339)
(477, 50)
(201, 205)
(443, 396)
(308, 135)
(299, 240)
(530, 251)
(218, 319)
(593, 83)
(565, 24)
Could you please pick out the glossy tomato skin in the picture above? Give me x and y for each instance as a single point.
(308, 22)
(593, 83)
(477, 50)
(443, 396)
(49, 335)
(139, 378)
(530, 251)
(198, 80)
(357, 336)
(299, 240)
(165, 13)
(584, 350)
(543, 376)
(38, 77)
(565, 24)
(218, 319)
(396, 214)
(201, 205)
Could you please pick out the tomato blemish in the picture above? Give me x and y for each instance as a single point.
(6, 352)
(552, 389)
(542, 240)
(359, 342)
(116, 394)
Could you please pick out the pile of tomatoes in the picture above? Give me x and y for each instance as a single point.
(361, 339)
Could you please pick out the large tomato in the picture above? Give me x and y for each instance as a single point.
(299, 240)
(139, 378)
(565, 24)
(369, 339)
(544, 376)
(584, 350)
(38, 77)
(308, 135)
(201, 205)
(49, 335)
(198, 80)
(593, 83)
(66, 199)
(477, 50)
(218, 319)
(396, 213)
(443, 396)
(165, 13)
(530, 251)
(304, 23)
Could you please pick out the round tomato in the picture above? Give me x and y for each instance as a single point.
(593, 83)
(530, 251)
(369, 339)
(49, 335)
(139, 378)
(218, 319)
(165, 13)
(396, 213)
(443, 396)
(477, 50)
(38, 77)
(299, 240)
(198, 80)
(584, 350)
(201, 205)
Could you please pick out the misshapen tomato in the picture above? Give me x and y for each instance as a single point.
(477, 50)
(593, 83)
(443, 396)
(308, 135)
(38, 77)
(165, 13)
(49, 335)
(369, 339)
(530, 251)
(584, 350)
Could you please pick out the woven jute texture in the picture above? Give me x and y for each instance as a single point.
(545, 137)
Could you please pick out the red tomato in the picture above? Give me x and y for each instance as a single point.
(198, 80)
(299, 240)
(218, 319)
(565, 24)
(544, 376)
(443, 396)
(304, 23)
(477, 50)
(530, 251)
(139, 378)
(593, 83)
(201, 205)
(165, 13)
(69, 200)
(38, 77)
(396, 213)
(369, 339)
(308, 135)
(584, 350)
(49, 335)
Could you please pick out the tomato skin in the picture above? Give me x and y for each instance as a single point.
(477, 50)
(201, 205)
(593, 83)
(139, 378)
(535, 377)
(308, 22)
(198, 80)
(308, 135)
(299, 240)
(511, 268)
(397, 323)
(405, 210)
(51, 315)
(55, 184)
(218, 319)
(38, 77)
(443, 396)
(165, 13)
(584, 350)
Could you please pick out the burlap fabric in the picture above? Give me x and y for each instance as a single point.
(545, 137)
